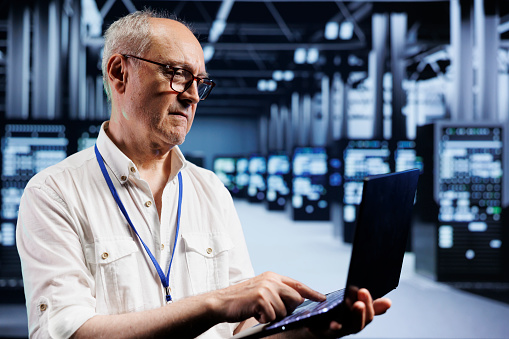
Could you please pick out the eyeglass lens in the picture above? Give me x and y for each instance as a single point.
(183, 79)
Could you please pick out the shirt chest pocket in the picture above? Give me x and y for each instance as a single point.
(114, 264)
(207, 260)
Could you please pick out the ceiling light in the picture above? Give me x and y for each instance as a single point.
(271, 85)
(277, 75)
(312, 56)
(331, 30)
(289, 75)
(299, 56)
(208, 52)
(346, 30)
(216, 30)
(262, 85)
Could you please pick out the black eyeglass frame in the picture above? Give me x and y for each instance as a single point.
(206, 81)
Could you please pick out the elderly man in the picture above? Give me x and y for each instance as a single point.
(127, 239)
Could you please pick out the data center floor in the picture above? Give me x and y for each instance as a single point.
(313, 253)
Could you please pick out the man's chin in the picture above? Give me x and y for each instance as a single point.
(176, 140)
(175, 135)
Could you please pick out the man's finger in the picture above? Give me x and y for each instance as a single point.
(364, 296)
(358, 319)
(265, 313)
(304, 291)
(381, 305)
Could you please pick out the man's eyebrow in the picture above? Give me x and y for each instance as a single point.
(203, 75)
(200, 75)
(188, 67)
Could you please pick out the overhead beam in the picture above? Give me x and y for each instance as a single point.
(280, 21)
(106, 8)
(383, 1)
(348, 16)
(233, 28)
(219, 24)
(287, 46)
(243, 46)
(229, 111)
(108, 4)
(504, 24)
(213, 102)
(246, 91)
(129, 5)
(229, 73)
(416, 58)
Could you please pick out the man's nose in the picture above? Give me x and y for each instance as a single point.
(191, 93)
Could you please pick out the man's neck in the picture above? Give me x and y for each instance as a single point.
(138, 149)
(154, 164)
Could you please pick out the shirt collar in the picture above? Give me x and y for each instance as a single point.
(122, 167)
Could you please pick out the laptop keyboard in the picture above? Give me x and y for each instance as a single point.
(310, 308)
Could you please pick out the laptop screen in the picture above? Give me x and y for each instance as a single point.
(384, 217)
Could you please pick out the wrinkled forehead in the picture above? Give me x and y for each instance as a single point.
(174, 43)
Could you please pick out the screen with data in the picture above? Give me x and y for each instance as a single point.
(310, 184)
(87, 136)
(278, 186)
(257, 170)
(242, 177)
(469, 187)
(361, 158)
(26, 150)
(225, 169)
(470, 174)
(405, 156)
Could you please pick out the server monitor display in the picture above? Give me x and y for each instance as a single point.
(257, 187)
(310, 183)
(278, 188)
(242, 176)
(405, 156)
(224, 168)
(469, 172)
(361, 158)
(26, 150)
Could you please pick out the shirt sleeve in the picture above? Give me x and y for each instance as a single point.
(59, 288)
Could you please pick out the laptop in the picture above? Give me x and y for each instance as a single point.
(378, 249)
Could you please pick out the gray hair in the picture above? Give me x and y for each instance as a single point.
(130, 35)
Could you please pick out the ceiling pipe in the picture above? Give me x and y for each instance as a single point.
(279, 20)
(217, 28)
(219, 24)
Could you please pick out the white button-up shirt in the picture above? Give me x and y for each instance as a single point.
(80, 257)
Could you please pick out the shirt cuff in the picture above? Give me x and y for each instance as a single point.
(63, 323)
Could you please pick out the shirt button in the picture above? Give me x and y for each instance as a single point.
(162, 247)
(209, 250)
(43, 307)
(133, 169)
(123, 178)
(105, 255)
(148, 203)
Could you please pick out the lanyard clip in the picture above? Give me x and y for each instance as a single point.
(168, 295)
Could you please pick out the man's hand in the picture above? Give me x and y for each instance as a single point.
(360, 314)
(265, 297)
(270, 296)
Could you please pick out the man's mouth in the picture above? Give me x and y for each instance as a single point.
(178, 113)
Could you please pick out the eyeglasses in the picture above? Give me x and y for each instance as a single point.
(181, 79)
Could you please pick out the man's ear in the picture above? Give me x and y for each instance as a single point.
(117, 73)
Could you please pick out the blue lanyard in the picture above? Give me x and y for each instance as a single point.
(165, 279)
